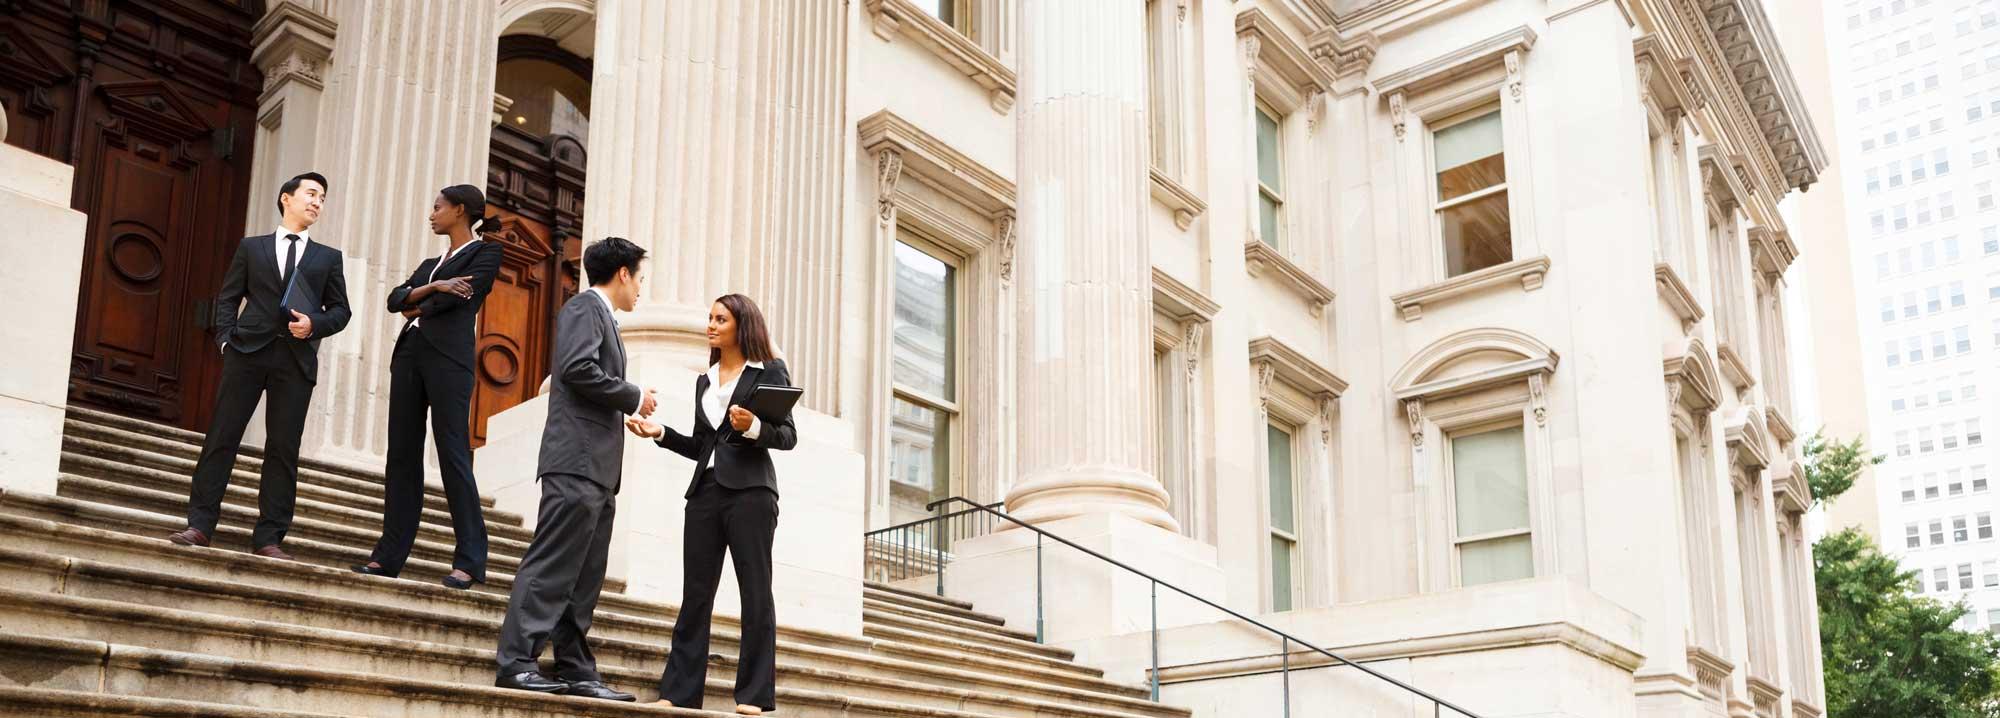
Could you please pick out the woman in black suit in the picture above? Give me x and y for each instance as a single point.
(732, 503)
(430, 370)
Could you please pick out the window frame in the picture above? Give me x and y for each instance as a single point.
(956, 481)
(1456, 543)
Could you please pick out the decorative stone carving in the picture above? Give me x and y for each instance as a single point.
(1192, 334)
(1513, 60)
(888, 169)
(1326, 421)
(1396, 114)
(1266, 371)
(1538, 398)
(1006, 233)
(293, 44)
(1413, 411)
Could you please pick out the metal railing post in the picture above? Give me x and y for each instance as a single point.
(1041, 630)
(1287, 653)
(1156, 642)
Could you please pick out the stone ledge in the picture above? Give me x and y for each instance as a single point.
(1186, 205)
(1261, 259)
(1678, 296)
(1529, 272)
(893, 17)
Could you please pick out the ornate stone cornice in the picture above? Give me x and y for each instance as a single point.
(1343, 56)
(938, 164)
(1179, 301)
(1789, 488)
(1756, 65)
(1711, 673)
(1278, 62)
(1677, 295)
(1772, 250)
(293, 44)
(1485, 53)
(1692, 379)
(1746, 439)
(1722, 183)
(893, 17)
(1294, 368)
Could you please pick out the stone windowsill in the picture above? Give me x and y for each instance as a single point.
(1185, 204)
(1781, 426)
(1677, 295)
(894, 17)
(1529, 272)
(1733, 368)
(1262, 259)
(1711, 672)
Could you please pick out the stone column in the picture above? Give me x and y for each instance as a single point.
(34, 391)
(1084, 311)
(718, 143)
(396, 110)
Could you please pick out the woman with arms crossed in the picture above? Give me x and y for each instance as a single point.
(732, 504)
(431, 370)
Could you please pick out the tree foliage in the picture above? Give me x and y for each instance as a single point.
(1833, 465)
(1891, 654)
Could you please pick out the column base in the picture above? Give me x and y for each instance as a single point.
(1083, 597)
(42, 269)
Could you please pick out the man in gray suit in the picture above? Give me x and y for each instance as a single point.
(556, 588)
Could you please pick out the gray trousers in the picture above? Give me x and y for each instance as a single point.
(556, 588)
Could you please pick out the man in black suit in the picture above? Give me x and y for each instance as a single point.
(583, 450)
(293, 293)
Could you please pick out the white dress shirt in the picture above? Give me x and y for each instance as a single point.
(714, 403)
(446, 257)
(280, 244)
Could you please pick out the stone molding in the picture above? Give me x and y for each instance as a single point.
(1529, 272)
(1771, 250)
(1692, 381)
(1261, 259)
(293, 44)
(1678, 296)
(1179, 301)
(1722, 181)
(1430, 73)
(902, 17)
(1280, 65)
(1295, 368)
(1746, 438)
(1745, 44)
(1711, 673)
(1734, 368)
(936, 162)
(1565, 634)
(1185, 204)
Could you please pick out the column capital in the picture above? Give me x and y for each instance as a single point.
(293, 43)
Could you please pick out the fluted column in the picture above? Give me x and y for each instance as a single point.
(1085, 278)
(405, 112)
(716, 143)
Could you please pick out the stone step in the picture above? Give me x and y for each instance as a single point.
(272, 642)
(943, 601)
(46, 703)
(145, 534)
(353, 481)
(618, 616)
(243, 494)
(118, 669)
(876, 617)
(995, 626)
(251, 453)
(237, 521)
(871, 593)
(38, 573)
(363, 498)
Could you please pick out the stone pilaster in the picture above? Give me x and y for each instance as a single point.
(1082, 265)
(405, 110)
(717, 145)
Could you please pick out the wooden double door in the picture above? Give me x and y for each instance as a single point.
(153, 102)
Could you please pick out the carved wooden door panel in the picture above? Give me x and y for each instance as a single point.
(515, 325)
(151, 101)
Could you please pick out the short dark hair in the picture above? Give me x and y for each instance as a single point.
(753, 335)
(292, 185)
(603, 258)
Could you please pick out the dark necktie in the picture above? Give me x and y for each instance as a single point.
(291, 254)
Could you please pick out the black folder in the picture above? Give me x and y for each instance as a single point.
(772, 403)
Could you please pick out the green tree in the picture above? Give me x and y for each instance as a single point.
(1888, 653)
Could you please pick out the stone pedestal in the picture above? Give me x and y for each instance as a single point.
(41, 285)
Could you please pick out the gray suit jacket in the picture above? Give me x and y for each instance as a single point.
(588, 396)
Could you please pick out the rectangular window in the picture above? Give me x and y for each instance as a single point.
(1938, 345)
(1934, 299)
(1925, 443)
(1898, 404)
(1940, 579)
(1902, 443)
(1978, 478)
(1972, 435)
(1490, 506)
(1961, 338)
(1951, 254)
(1888, 310)
(1957, 292)
(1944, 396)
(923, 353)
(1965, 577)
(1984, 524)
(1937, 532)
(1270, 177)
(1929, 253)
(946, 10)
(1912, 537)
(1930, 486)
(1472, 193)
(1940, 162)
(1896, 357)
(1905, 261)
(1959, 533)
(1954, 481)
(1910, 306)
(1284, 515)
(1950, 441)
(1908, 487)
(1990, 571)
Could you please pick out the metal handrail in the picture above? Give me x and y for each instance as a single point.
(1157, 583)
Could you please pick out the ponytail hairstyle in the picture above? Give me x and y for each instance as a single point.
(473, 201)
(753, 336)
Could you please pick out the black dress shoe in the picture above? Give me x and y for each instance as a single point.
(372, 570)
(451, 581)
(532, 681)
(596, 689)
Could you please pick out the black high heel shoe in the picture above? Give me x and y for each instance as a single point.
(363, 568)
(451, 581)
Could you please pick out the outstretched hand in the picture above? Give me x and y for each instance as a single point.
(644, 429)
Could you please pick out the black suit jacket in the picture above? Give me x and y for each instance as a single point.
(448, 321)
(319, 291)
(739, 462)
(588, 396)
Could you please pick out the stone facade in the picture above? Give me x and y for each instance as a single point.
(1494, 290)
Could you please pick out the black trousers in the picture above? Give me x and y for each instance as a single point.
(274, 375)
(422, 380)
(744, 522)
(555, 590)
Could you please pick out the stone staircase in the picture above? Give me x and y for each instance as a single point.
(100, 615)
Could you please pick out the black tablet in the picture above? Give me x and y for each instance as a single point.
(772, 403)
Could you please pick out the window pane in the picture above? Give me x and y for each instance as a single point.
(940, 9)
(923, 326)
(1280, 452)
(1269, 171)
(1477, 234)
(1469, 156)
(1496, 560)
(1281, 574)
(919, 457)
(1267, 218)
(1490, 481)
